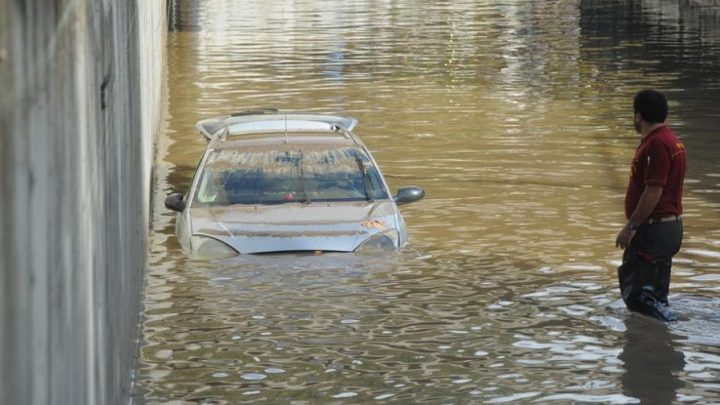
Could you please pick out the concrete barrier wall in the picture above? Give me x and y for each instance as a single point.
(702, 16)
(79, 106)
(701, 3)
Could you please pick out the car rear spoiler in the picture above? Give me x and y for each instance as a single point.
(272, 120)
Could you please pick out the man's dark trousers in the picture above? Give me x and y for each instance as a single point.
(644, 275)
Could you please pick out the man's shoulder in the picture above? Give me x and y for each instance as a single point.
(667, 132)
(668, 140)
(665, 135)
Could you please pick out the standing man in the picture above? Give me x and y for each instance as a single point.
(653, 207)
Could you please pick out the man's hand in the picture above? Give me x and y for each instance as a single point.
(624, 237)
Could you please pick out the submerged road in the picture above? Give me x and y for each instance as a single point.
(515, 117)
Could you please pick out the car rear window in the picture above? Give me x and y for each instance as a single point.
(288, 174)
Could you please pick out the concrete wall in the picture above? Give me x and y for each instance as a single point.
(701, 3)
(701, 16)
(79, 107)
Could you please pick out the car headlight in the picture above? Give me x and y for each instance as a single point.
(381, 242)
(210, 248)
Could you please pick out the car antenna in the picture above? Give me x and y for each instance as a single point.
(286, 134)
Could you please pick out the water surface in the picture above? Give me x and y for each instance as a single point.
(515, 116)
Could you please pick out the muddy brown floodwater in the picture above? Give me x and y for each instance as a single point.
(515, 116)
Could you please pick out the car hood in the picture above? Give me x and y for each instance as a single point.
(340, 227)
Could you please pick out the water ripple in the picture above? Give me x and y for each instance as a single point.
(516, 118)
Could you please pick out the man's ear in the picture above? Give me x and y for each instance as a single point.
(638, 120)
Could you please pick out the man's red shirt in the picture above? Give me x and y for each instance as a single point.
(660, 160)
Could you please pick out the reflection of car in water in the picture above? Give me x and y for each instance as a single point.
(275, 182)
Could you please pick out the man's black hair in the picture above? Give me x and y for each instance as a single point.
(651, 105)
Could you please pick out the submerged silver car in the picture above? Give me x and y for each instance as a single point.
(273, 181)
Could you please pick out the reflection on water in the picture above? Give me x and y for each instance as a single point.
(515, 117)
(651, 362)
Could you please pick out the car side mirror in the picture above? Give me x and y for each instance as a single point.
(175, 202)
(410, 194)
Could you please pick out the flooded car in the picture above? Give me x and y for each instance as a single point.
(274, 181)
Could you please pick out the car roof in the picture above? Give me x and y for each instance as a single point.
(231, 155)
(275, 140)
(273, 121)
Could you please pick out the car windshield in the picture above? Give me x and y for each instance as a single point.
(289, 173)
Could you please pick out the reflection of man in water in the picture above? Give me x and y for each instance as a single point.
(650, 362)
(653, 205)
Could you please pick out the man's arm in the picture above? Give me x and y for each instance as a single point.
(648, 201)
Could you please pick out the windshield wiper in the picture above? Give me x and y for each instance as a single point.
(367, 184)
(302, 178)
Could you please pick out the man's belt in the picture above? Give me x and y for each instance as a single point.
(664, 219)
